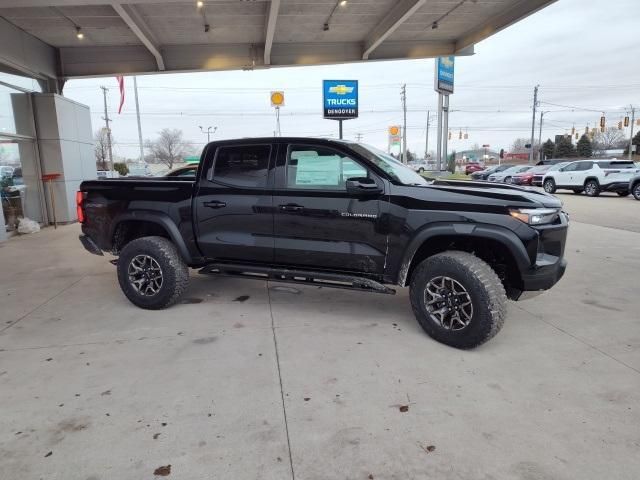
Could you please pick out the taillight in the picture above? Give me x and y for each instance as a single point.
(79, 206)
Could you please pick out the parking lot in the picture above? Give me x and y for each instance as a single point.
(258, 380)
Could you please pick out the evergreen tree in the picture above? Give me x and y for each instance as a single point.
(584, 147)
(548, 148)
(564, 148)
(451, 163)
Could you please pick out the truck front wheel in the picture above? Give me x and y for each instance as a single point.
(458, 299)
(151, 273)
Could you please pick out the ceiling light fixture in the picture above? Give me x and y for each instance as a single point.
(199, 4)
(343, 3)
(79, 34)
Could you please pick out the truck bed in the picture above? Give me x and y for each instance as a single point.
(167, 200)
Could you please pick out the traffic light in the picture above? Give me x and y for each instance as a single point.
(466, 136)
(573, 130)
(586, 130)
(460, 135)
(602, 129)
(620, 125)
(502, 153)
(576, 135)
(449, 134)
(602, 122)
(626, 121)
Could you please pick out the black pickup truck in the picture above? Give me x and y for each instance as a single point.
(336, 214)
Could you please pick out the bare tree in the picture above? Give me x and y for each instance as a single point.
(101, 148)
(169, 147)
(518, 145)
(610, 139)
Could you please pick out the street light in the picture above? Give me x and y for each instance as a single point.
(208, 132)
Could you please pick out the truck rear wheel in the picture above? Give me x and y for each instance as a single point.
(151, 273)
(458, 299)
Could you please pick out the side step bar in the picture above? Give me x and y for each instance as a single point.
(322, 279)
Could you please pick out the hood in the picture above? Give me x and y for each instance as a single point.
(497, 194)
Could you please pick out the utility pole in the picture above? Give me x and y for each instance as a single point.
(403, 97)
(106, 121)
(633, 120)
(540, 137)
(135, 91)
(533, 121)
(426, 142)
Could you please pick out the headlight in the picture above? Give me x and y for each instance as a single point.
(535, 216)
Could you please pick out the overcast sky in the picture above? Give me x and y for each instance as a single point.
(584, 56)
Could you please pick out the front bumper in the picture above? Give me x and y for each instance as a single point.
(89, 245)
(550, 263)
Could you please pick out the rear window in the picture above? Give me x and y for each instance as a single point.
(617, 164)
(242, 166)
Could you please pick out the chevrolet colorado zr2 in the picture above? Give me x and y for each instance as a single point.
(335, 214)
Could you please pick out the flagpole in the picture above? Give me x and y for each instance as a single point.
(135, 91)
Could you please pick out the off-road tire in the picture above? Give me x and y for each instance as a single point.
(636, 191)
(623, 194)
(591, 188)
(549, 185)
(485, 290)
(175, 273)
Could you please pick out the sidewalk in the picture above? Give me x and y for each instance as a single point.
(253, 380)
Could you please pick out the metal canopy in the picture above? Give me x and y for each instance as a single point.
(145, 36)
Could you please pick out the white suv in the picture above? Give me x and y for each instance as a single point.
(592, 177)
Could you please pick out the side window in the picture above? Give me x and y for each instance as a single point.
(571, 167)
(242, 166)
(583, 166)
(320, 168)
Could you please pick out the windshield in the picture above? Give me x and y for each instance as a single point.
(392, 167)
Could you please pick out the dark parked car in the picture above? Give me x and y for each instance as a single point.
(484, 174)
(634, 187)
(335, 214)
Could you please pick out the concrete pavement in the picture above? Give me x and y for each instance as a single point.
(254, 380)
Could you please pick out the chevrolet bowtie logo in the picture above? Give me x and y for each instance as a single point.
(341, 89)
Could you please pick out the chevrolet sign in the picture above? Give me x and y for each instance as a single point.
(340, 99)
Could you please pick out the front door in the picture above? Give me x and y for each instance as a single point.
(317, 223)
(234, 218)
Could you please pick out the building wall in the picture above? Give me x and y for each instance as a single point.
(66, 147)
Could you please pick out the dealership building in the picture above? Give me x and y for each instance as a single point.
(46, 144)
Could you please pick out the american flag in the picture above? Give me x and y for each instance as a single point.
(120, 79)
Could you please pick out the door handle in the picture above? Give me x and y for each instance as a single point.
(291, 207)
(215, 204)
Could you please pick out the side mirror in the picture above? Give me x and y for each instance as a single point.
(362, 185)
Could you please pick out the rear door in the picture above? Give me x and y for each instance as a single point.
(317, 223)
(233, 209)
(582, 171)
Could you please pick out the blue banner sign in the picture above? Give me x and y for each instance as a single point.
(340, 99)
(444, 75)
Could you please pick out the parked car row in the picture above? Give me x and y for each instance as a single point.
(589, 176)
